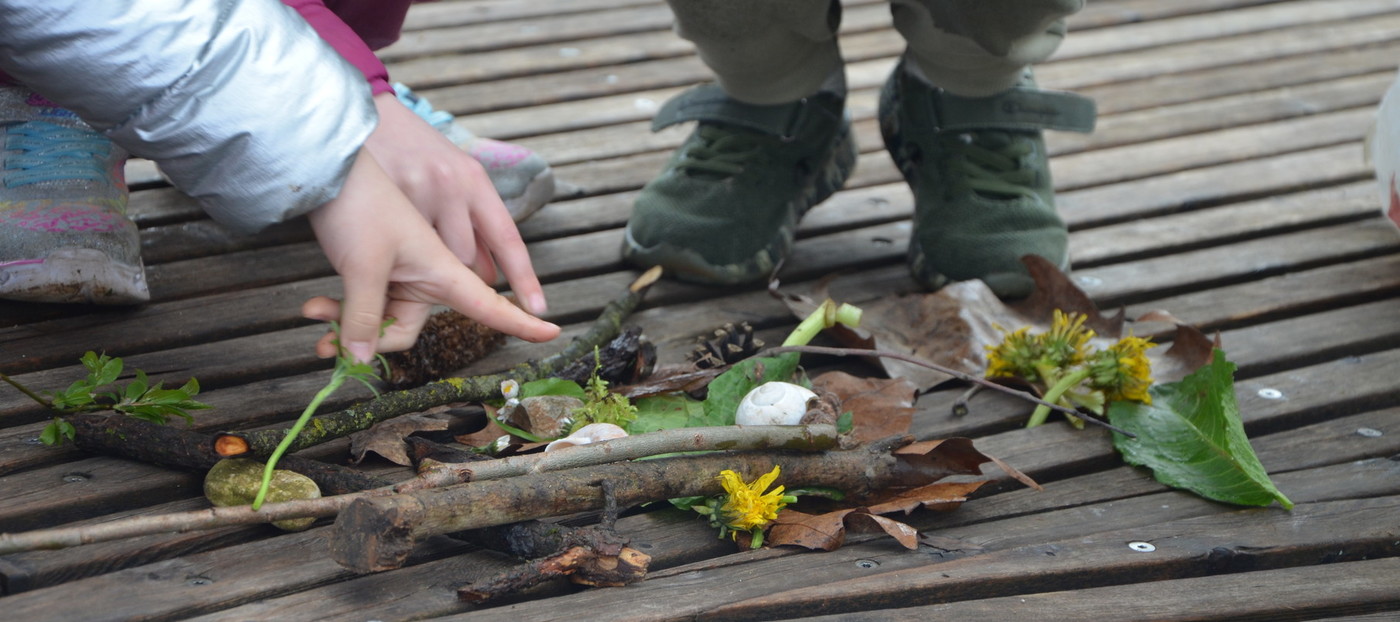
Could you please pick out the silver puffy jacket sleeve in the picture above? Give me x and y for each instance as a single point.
(240, 101)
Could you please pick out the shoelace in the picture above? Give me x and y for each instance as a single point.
(721, 152)
(992, 163)
(48, 152)
(420, 106)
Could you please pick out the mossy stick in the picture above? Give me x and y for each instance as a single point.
(261, 443)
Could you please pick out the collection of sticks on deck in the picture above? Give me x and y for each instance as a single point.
(1226, 183)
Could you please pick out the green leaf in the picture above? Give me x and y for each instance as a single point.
(1191, 437)
(667, 412)
(552, 386)
(102, 369)
(730, 387)
(50, 434)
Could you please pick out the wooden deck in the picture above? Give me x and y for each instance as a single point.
(1226, 183)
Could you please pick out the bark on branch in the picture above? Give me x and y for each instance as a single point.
(378, 533)
(812, 438)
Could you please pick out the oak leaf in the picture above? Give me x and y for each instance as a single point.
(386, 438)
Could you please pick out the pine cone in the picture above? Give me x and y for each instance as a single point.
(449, 342)
(727, 345)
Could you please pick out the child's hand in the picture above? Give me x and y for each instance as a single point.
(452, 191)
(393, 264)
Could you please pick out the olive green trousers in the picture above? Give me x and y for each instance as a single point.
(777, 51)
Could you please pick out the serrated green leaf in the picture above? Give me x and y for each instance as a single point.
(1191, 436)
(730, 387)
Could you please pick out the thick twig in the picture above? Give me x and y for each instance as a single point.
(960, 375)
(261, 443)
(379, 533)
(684, 439)
(175, 446)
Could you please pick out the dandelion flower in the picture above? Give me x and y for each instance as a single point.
(1016, 355)
(1065, 344)
(1123, 371)
(748, 507)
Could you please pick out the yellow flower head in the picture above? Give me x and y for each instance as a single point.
(1021, 354)
(1014, 356)
(1066, 342)
(1123, 371)
(747, 507)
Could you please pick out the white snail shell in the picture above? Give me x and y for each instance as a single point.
(774, 403)
(590, 433)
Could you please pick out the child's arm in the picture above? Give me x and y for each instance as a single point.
(241, 103)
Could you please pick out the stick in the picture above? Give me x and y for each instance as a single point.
(261, 443)
(378, 533)
(663, 441)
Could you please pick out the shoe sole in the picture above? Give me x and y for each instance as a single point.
(687, 265)
(537, 193)
(74, 275)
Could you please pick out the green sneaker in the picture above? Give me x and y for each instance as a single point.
(981, 178)
(726, 207)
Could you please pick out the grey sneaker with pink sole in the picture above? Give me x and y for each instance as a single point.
(64, 233)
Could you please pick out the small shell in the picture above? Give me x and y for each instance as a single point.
(591, 433)
(773, 403)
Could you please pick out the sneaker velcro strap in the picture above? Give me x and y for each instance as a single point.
(709, 102)
(1019, 108)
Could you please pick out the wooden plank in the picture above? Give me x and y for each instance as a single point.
(437, 581)
(1309, 534)
(87, 488)
(1352, 589)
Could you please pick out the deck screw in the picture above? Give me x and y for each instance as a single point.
(1142, 547)
(76, 478)
(866, 563)
(1369, 432)
(33, 440)
(198, 580)
(1270, 394)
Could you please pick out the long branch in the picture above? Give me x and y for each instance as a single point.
(378, 533)
(261, 443)
(814, 438)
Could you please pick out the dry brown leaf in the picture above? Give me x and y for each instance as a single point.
(879, 407)
(386, 437)
(904, 534)
(822, 532)
(940, 496)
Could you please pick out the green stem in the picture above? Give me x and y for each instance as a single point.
(337, 379)
(1052, 395)
(825, 316)
(25, 390)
